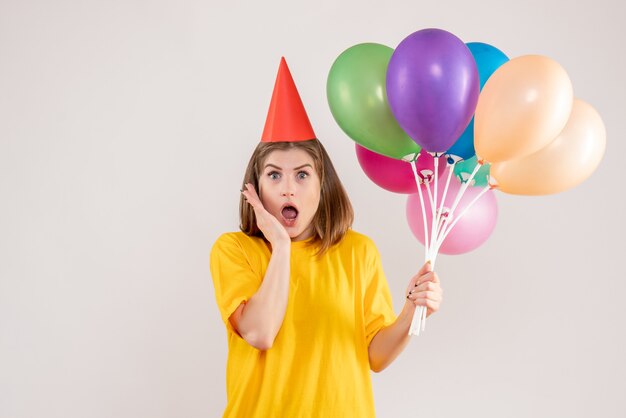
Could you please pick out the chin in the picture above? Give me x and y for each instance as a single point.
(296, 232)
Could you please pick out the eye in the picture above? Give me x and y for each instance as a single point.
(274, 175)
(303, 174)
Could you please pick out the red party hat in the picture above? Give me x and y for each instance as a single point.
(287, 120)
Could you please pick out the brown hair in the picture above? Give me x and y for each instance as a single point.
(334, 214)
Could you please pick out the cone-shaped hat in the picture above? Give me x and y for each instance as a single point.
(287, 120)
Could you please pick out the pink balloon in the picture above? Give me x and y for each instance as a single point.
(471, 231)
(396, 175)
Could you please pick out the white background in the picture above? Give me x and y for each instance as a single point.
(125, 127)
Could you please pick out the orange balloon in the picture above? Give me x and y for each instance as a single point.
(563, 164)
(522, 108)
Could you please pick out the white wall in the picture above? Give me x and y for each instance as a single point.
(124, 131)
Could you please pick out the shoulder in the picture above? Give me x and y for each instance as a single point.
(361, 250)
(358, 241)
(236, 241)
(227, 239)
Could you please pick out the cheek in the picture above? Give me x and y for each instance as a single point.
(315, 201)
(268, 199)
(262, 196)
(263, 191)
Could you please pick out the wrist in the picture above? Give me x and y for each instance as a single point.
(408, 310)
(281, 245)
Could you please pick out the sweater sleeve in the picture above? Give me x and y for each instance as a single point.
(234, 279)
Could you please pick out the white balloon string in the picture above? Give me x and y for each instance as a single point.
(440, 225)
(445, 191)
(460, 194)
(432, 217)
(416, 321)
(419, 191)
(440, 218)
(433, 232)
(417, 314)
(433, 206)
(463, 212)
(430, 196)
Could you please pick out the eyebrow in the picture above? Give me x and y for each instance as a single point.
(296, 168)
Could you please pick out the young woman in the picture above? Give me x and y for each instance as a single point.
(304, 298)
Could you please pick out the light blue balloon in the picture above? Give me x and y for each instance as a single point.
(488, 59)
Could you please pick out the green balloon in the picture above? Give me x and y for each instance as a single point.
(357, 96)
(464, 168)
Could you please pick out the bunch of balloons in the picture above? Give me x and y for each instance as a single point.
(436, 104)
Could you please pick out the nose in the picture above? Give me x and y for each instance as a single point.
(288, 188)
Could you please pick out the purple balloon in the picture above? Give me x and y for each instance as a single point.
(433, 87)
(396, 175)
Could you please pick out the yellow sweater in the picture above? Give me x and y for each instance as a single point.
(318, 365)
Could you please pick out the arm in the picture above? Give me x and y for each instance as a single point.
(259, 320)
(423, 290)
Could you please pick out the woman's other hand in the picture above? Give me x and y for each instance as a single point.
(424, 289)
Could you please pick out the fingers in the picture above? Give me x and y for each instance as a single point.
(423, 274)
(428, 290)
(425, 268)
(267, 223)
(425, 298)
(430, 276)
(435, 277)
(251, 196)
(425, 289)
(430, 299)
(431, 305)
(418, 280)
(427, 286)
(262, 215)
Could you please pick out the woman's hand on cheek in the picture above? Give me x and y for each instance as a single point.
(425, 289)
(271, 227)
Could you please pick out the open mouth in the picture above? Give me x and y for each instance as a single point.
(290, 213)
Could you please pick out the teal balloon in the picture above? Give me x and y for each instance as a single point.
(488, 59)
(463, 170)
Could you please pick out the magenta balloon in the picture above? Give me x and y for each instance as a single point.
(433, 87)
(425, 166)
(394, 175)
(471, 231)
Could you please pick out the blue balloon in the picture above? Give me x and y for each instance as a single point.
(488, 59)
(464, 146)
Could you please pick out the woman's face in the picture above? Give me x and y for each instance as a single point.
(289, 187)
